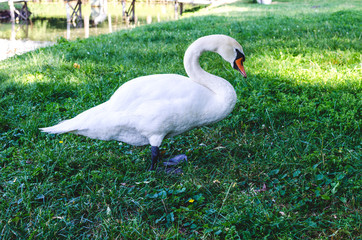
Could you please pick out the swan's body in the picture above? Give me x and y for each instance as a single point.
(133, 117)
(148, 109)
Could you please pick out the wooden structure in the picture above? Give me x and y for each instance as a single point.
(179, 6)
(74, 14)
(131, 10)
(24, 12)
(76, 11)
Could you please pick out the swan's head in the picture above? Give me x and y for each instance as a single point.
(232, 52)
(224, 45)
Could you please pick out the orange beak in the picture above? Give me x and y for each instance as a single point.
(240, 66)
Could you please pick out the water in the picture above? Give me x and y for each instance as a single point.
(52, 20)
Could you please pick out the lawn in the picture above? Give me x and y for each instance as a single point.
(286, 163)
(5, 6)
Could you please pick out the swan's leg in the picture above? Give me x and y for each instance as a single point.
(155, 142)
(155, 155)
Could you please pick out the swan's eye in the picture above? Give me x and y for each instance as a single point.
(239, 55)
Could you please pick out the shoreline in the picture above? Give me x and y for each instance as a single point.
(10, 48)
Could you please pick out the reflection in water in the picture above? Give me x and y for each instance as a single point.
(98, 17)
(11, 46)
(86, 26)
(13, 33)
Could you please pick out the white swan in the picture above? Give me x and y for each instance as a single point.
(148, 109)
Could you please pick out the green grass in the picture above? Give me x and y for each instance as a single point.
(296, 129)
(5, 6)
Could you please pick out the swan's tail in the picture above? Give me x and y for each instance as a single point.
(62, 127)
(79, 124)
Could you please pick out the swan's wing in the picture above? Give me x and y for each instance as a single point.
(160, 87)
(166, 104)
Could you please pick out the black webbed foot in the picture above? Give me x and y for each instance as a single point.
(176, 160)
(170, 165)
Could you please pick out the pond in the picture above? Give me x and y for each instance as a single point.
(52, 20)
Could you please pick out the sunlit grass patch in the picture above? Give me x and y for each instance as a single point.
(308, 69)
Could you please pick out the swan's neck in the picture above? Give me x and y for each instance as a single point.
(219, 86)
